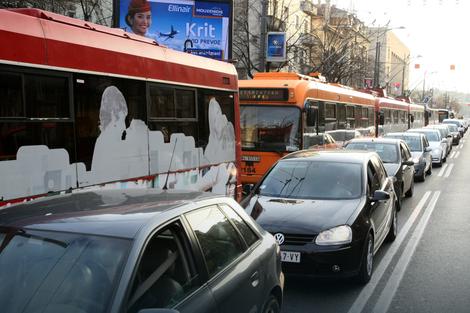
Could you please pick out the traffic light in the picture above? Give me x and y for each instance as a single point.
(417, 66)
(452, 67)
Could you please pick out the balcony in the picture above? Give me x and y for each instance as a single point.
(307, 39)
(275, 24)
(308, 8)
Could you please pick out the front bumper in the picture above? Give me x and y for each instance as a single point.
(318, 261)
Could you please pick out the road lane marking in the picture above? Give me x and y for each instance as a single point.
(461, 146)
(369, 289)
(451, 166)
(457, 154)
(391, 287)
(443, 169)
(451, 154)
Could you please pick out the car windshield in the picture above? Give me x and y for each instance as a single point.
(270, 128)
(388, 152)
(58, 272)
(313, 180)
(414, 142)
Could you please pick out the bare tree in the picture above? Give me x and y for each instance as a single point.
(56, 6)
(248, 41)
(97, 11)
(341, 50)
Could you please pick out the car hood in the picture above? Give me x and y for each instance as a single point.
(391, 168)
(301, 216)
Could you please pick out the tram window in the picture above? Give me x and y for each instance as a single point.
(162, 102)
(88, 98)
(46, 96)
(11, 104)
(185, 104)
(403, 117)
(371, 116)
(395, 117)
(349, 111)
(171, 103)
(51, 134)
(358, 112)
(225, 101)
(388, 116)
(330, 110)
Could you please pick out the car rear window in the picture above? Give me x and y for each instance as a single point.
(313, 180)
(388, 152)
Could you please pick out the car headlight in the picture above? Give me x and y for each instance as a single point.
(436, 151)
(334, 236)
(416, 160)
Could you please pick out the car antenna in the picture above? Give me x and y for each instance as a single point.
(165, 187)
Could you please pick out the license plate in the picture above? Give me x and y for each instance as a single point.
(290, 256)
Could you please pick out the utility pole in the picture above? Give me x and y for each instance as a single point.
(264, 35)
(377, 63)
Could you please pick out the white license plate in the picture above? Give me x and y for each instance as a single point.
(290, 256)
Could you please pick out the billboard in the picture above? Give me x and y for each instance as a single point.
(276, 47)
(197, 27)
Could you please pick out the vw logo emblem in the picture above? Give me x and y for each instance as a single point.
(279, 238)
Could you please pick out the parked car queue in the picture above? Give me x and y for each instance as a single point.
(322, 214)
(320, 204)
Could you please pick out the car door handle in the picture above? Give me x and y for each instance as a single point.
(254, 279)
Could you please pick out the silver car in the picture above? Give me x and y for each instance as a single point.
(445, 134)
(436, 142)
(420, 151)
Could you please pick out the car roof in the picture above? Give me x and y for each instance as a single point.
(347, 156)
(119, 213)
(405, 134)
(376, 140)
(429, 129)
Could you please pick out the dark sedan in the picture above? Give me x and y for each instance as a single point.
(128, 251)
(397, 160)
(329, 210)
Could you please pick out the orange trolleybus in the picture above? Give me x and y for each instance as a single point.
(85, 106)
(279, 111)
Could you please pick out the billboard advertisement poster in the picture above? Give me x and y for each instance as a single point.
(276, 47)
(196, 27)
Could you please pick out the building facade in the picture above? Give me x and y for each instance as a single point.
(390, 58)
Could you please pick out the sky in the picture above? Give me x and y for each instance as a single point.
(437, 33)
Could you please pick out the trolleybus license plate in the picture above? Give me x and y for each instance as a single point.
(290, 256)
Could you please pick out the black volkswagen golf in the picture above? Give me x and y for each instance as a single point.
(330, 211)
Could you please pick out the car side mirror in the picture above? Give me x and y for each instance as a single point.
(409, 163)
(444, 140)
(427, 149)
(380, 195)
(158, 311)
(247, 189)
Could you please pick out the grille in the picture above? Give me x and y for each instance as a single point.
(297, 240)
